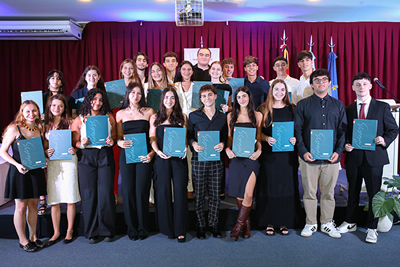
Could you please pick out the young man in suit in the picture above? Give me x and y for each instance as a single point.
(366, 164)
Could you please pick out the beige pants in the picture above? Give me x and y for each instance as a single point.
(324, 175)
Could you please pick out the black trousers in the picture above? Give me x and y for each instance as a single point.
(135, 188)
(373, 180)
(96, 182)
(172, 217)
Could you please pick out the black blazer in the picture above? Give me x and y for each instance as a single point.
(387, 128)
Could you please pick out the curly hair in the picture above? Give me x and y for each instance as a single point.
(87, 103)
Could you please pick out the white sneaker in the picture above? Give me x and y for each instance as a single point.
(372, 236)
(346, 227)
(329, 228)
(309, 229)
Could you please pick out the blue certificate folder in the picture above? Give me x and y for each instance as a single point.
(196, 103)
(60, 141)
(115, 93)
(222, 98)
(364, 133)
(321, 146)
(154, 98)
(138, 148)
(282, 132)
(235, 83)
(31, 153)
(36, 96)
(243, 141)
(174, 141)
(97, 130)
(208, 140)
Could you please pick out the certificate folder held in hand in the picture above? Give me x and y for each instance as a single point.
(364, 133)
(243, 141)
(31, 153)
(138, 149)
(208, 140)
(60, 141)
(115, 92)
(174, 141)
(321, 144)
(282, 132)
(97, 130)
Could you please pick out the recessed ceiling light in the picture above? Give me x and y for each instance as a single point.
(313, 0)
(85, 0)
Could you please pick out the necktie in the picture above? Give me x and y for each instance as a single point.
(361, 116)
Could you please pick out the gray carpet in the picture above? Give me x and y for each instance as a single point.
(259, 250)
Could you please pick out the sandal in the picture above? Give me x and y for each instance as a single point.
(270, 231)
(42, 207)
(283, 230)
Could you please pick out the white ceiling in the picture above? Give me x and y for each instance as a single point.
(214, 10)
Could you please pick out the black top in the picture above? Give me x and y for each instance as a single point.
(137, 126)
(70, 101)
(319, 113)
(200, 74)
(224, 87)
(79, 93)
(259, 89)
(198, 121)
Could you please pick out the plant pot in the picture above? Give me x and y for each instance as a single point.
(384, 224)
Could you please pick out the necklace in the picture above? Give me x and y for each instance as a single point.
(30, 129)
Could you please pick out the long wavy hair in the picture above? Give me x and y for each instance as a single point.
(236, 108)
(126, 102)
(86, 107)
(153, 84)
(60, 76)
(179, 74)
(268, 111)
(49, 118)
(135, 77)
(176, 117)
(83, 83)
(19, 119)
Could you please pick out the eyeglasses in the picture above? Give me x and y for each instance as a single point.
(324, 80)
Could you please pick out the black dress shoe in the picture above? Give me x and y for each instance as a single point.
(50, 243)
(28, 247)
(216, 232)
(109, 238)
(201, 233)
(38, 243)
(93, 240)
(67, 241)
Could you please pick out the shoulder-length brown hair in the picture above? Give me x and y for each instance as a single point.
(176, 117)
(270, 102)
(82, 82)
(153, 84)
(135, 77)
(49, 118)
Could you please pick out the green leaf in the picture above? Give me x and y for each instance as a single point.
(380, 206)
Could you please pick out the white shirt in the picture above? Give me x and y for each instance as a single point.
(291, 83)
(185, 98)
(303, 90)
(366, 106)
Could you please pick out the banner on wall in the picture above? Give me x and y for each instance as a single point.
(190, 54)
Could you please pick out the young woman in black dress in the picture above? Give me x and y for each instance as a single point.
(96, 169)
(133, 118)
(22, 185)
(277, 190)
(172, 217)
(243, 171)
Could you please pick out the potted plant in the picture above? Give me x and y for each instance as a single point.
(385, 203)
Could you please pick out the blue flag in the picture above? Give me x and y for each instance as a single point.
(332, 70)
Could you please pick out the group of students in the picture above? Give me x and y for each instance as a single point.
(270, 176)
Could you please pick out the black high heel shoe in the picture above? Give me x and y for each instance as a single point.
(28, 247)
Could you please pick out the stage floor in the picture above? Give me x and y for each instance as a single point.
(228, 213)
